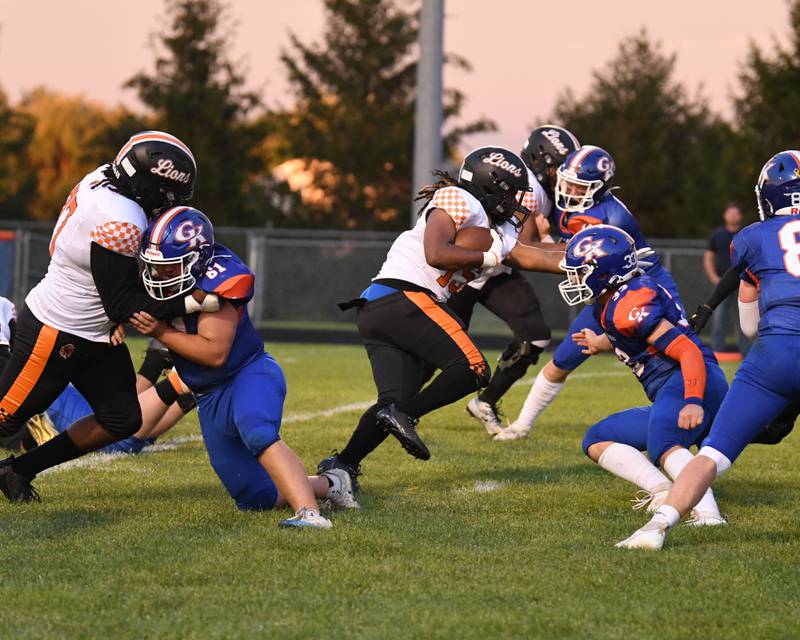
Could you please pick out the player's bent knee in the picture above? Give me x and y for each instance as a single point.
(257, 499)
(720, 460)
(122, 425)
(553, 373)
(594, 436)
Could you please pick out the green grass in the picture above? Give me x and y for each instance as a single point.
(152, 547)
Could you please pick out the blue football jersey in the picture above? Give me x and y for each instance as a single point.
(230, 279)
(767, 254)
(610, 210)
(630, 316)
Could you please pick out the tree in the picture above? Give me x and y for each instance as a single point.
(197, 94)
(768, 102)
(349, 138)
(71, 137)
(673, 155)
(17, 178)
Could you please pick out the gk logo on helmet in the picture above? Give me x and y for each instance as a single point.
(166, 169)
(191, 233)
(589, 249)
(497, 159)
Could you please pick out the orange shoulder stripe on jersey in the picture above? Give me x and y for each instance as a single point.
(236, 288)
(71, 205)
(755, 278)
(627, 314)
(576, 223)
(451, 326)
(30, 373)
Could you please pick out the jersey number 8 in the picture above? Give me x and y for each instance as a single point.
(788, 237)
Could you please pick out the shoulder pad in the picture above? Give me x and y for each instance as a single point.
(227, 276)
(637, 311)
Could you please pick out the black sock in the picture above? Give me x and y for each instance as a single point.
(500, 383)
(452, 384)
(51, 453)
(365, 439)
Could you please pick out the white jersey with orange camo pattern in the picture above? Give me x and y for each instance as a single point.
(406, 258)
(67, 298)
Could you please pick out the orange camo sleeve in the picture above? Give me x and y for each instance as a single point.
(119, 237)
(451, 200)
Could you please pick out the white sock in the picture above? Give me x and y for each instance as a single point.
(674, 464)
(666, 515)
(542, 393)
(629, 464)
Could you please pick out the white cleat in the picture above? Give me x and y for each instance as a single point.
(306, 519)
(514, 431)
(340, 493)
(650, 537)
(650, 500)
(705, 519)
(486, 414)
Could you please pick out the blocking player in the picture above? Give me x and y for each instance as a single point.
(583, 198)
(505, 291)
(646, 328)
(92, 284)
(220, 356)
(766, 255)
(402, 317)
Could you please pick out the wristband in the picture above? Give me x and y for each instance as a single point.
(697, 401)
(210, 304)
(490, 259)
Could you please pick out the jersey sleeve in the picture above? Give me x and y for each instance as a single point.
(638, 312)
(742, 258)
(228, 278)
(118, 236)
(576, 223)
(452, 201)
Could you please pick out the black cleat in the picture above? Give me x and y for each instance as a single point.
(402, 426)
(15, 486)
(333, 462)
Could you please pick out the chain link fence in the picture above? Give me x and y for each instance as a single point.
(302, 274)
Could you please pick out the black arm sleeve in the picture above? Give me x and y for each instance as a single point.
(117, 279)
(728, 283)
(12, 330)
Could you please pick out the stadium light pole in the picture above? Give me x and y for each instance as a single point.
(428, 108)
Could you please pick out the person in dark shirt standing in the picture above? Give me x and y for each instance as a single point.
(716, 261)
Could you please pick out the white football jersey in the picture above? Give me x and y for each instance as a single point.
(67, 298)
(7, 313)
(538, 202)
(406, 258)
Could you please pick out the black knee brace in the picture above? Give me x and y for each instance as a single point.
(518, 356)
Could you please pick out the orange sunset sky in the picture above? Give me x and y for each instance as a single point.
(523, 52)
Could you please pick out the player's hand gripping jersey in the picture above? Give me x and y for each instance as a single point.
(67, 297)
(406, 258)
(767, 254)
(230, 279)
(630, 316)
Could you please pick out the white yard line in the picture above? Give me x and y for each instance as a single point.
(97, 460)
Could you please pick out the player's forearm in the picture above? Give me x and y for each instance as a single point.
(728, 283)
(194, 347)
(538, 256)
(693, 367)
(450, 257)
(117, 279)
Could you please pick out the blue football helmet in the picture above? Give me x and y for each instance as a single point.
(778, 186)
(585, 177)
(597, 259)
(175, 250)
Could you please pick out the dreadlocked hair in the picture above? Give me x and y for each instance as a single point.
(426, 193)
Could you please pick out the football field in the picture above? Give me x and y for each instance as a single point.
(486, 540)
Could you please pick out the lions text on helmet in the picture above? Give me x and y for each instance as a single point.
(545, 150)
(176, 249)
(496, 177)
(598, 258)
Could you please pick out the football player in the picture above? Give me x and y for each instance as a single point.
(505, 291)
(766, 255)
(583, 198)
(402, 317)
(8, 325)
(92, 284)
(646, 328)
(239, 387)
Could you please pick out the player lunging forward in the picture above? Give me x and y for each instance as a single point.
(92, 283)
(402, 316)
(767, 257)
(646, 328)
(239, 387)
(583, 198)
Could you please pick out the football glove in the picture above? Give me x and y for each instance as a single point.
(700, 317)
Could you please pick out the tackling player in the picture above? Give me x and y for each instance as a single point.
(92, 284)
(505, 291)
(239, 387)
(583, 198)
(646, 328)
(766, 255)
(402, 316)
